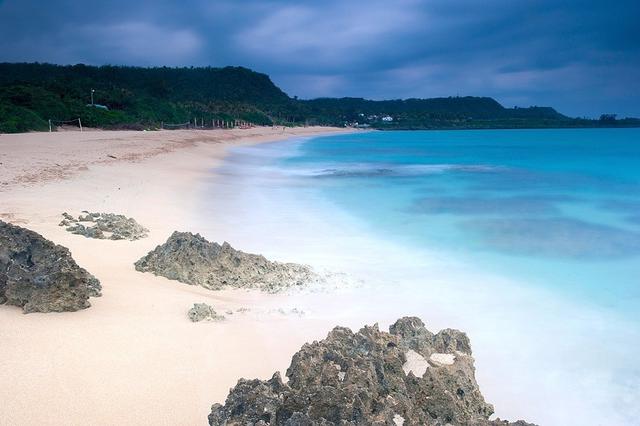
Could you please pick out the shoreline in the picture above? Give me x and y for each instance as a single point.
(550, 370)
(133, 357)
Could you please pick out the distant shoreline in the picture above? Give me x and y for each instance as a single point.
(135, 346)
(36, 96)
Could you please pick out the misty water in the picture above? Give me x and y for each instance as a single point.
(528, 240)
(559, 208)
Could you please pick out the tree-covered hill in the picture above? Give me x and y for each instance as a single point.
(453, 112)
(32, 94)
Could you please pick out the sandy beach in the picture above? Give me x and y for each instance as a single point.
(133, 357)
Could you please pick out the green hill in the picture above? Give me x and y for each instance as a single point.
(134, 97)
(453, 112)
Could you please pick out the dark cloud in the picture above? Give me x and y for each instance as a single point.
(580, 56)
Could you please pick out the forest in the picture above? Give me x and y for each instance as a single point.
(118, 97)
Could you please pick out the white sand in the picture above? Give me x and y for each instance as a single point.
(442, 359)
(415, 364)
(133, 357)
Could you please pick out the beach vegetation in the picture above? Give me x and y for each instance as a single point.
(31, 94)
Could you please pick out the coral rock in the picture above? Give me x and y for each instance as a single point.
(203, 312)
(40, 276)
(358, 379)
(192, 259)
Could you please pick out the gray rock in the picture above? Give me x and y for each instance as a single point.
(367, 378)
(203, 312)
(192, 259)
(40, 276)
(98, 225)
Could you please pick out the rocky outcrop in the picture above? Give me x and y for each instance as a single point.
(192, 259)
(40, 276)
(203, 312)
(408, 376)
(104, 226)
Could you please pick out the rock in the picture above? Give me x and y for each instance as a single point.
(40, 276)
(192, 259)
(87, 231)
(67, 220)
(203, 312)
(282, 311)
(117, 226)
(358, 379)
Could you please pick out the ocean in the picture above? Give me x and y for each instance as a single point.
(528, 240)
(560, 208)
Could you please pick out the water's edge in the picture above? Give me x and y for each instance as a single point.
(539, 356)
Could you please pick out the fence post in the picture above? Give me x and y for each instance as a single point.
(49, 125)
(80, 123)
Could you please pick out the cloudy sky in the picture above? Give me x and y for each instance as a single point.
(583, 57)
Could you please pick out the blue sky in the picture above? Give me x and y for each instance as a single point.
(582, 57)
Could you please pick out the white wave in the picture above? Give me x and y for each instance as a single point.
(571, 364)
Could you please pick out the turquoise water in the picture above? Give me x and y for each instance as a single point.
(528, 240)
(553, 208)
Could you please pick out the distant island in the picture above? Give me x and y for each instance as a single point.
(34, 95)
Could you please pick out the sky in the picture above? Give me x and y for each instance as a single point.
(581, 57)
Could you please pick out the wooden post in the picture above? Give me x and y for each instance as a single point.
(80, 123)
(49, 125)
(162, 125)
